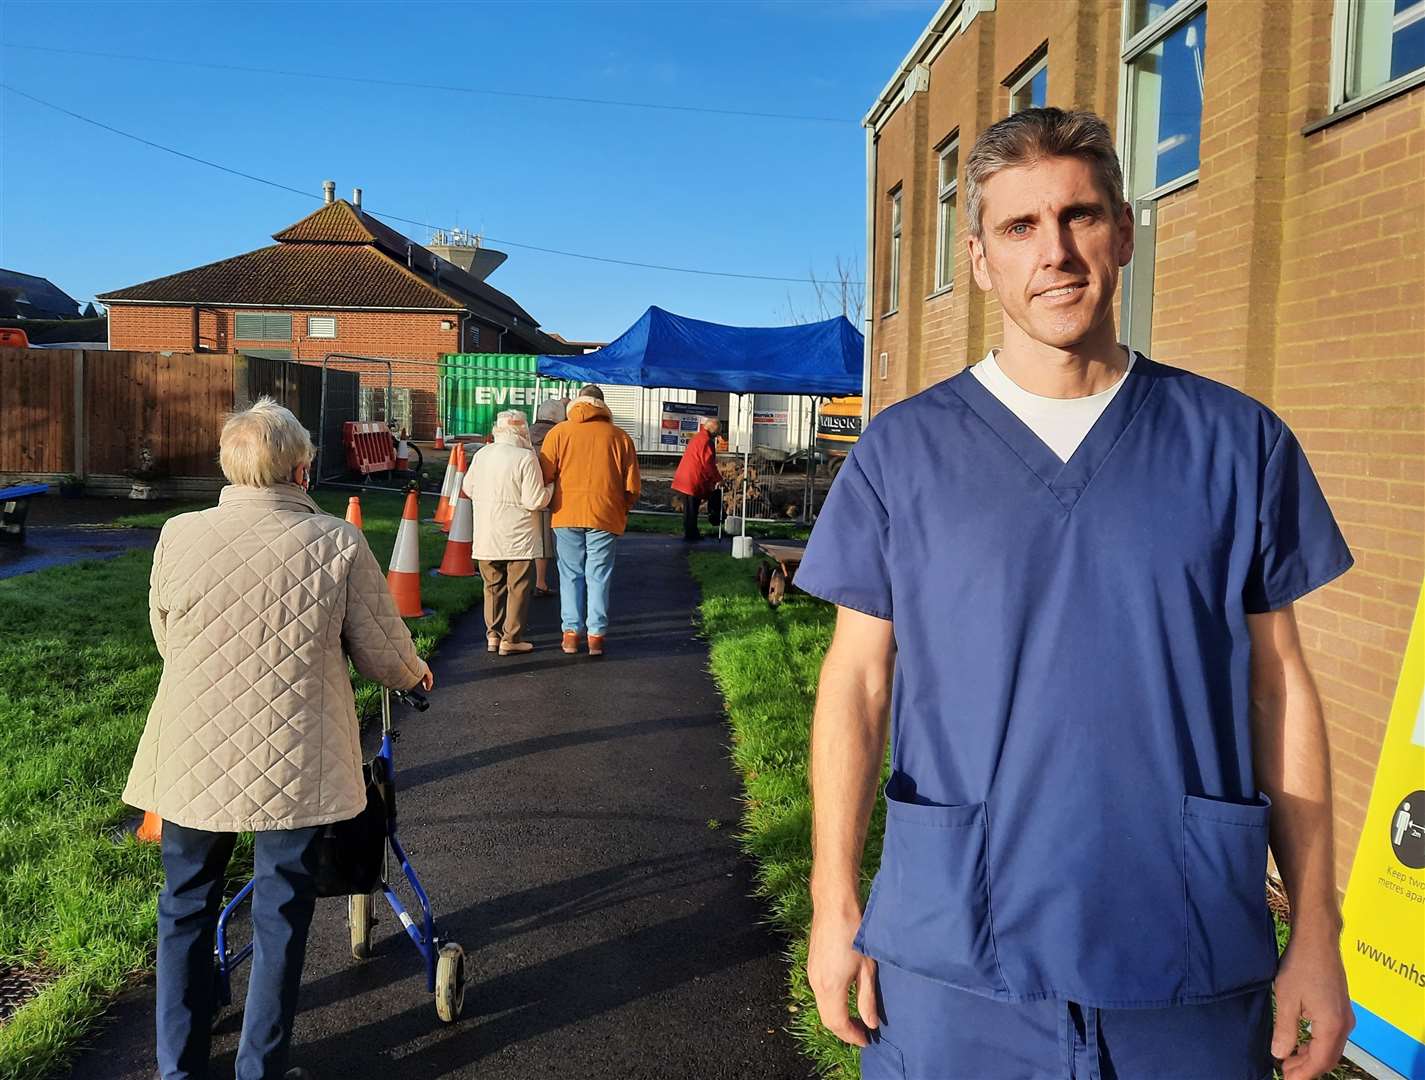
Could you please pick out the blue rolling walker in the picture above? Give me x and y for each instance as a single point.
(444, 960)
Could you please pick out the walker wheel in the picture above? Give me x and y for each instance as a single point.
(764, 578)
(450, 982)
(358, 919)
(777, 587)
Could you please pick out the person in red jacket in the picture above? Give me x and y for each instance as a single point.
(697, 476)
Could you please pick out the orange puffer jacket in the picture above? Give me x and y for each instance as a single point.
(593, 465)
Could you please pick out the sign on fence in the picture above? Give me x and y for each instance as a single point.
(681, 421)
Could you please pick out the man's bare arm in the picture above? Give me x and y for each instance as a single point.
(1292, 762)
(848, 741)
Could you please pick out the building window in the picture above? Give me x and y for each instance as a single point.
(260, 326)
(893, 299)
(321, 326)
(1031, 89)
(1165, 52)
(945, 232)
(472, 337)
(1378, 42)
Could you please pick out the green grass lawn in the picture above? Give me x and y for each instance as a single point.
(78, 670)
(766, 663)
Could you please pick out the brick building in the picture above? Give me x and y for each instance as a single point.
(338, 281)
(1274, 154)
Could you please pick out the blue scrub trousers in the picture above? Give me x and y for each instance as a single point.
(586, 570)
(930, 1031)
(195, 863)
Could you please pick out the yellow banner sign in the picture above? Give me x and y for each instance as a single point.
(1384, 938)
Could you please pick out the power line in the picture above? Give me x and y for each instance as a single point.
(445, 88)
(395, 217)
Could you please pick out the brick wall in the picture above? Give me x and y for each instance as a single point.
(411, 336)
(1293, 268)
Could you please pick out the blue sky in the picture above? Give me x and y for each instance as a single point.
(94, 212)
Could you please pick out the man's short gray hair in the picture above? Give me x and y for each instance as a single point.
(1035, 134)
(263, 445)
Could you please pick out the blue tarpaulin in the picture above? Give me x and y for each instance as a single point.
(662, 349)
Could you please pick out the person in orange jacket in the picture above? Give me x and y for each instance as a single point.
(593, 465)
(697, 477)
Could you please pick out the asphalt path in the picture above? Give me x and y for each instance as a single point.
(573, 820)
(60, 545)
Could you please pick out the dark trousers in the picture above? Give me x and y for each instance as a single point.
(194, 864)
(690, 518)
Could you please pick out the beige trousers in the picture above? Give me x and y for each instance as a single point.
(508, 586)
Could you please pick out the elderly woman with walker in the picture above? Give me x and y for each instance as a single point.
(256, 605)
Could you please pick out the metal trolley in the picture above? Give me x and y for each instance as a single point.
(444, 960)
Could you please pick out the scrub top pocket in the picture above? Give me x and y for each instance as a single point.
(929, 911)
(1230, 941)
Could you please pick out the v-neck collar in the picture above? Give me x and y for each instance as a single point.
(1066, 480)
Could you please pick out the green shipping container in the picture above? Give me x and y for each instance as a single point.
(476, 387)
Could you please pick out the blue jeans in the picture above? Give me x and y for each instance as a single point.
(586, 568)
(194, 864)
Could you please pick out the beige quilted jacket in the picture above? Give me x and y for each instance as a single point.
(256, 605)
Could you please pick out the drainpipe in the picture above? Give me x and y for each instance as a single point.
(195, 328)
(869, 315)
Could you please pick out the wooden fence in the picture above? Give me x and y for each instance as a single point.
(89, 412)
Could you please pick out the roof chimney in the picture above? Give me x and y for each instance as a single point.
(328, 191)
(356, 197)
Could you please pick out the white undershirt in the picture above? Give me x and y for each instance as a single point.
(1060, 423)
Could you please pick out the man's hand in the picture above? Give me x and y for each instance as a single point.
(1311, 985)
(428, 678)
(832, 967)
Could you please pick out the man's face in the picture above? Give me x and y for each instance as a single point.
(713, 428)
(1051, 250)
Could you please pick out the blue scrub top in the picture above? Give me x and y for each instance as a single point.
(1072, 811)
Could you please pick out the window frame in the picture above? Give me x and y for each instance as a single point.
(312, 335)
(1344, 19)
(945, 193)
(1038, 61)
(893, 278)
(1134, 47)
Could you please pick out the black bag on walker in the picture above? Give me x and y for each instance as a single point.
(349, 853)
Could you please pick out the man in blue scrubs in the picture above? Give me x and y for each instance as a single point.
(1066, 575)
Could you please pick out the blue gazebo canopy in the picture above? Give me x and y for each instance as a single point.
(662, 349)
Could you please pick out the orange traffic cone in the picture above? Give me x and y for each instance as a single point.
(457, 561)
(353, 511)
(403, 452)
(446, 504)
(404, 576)
(455, 486)
(150, 830)
(439, 438)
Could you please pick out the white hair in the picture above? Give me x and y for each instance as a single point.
(511, 426)
(263, 445)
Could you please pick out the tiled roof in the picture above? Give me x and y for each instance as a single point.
(342, 257)
(331, 275)
(37, 297)
(335, 223)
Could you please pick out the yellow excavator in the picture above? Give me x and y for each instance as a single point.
(838, 426)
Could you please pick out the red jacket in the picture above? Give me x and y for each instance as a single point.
(697, 473)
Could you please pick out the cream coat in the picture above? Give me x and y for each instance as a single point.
(505, 484)
(255, 606)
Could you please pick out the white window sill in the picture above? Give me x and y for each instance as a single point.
(944, 290)
(1402, 85)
